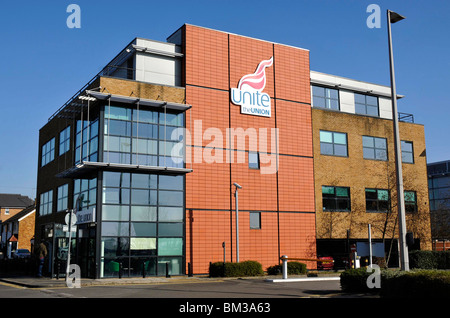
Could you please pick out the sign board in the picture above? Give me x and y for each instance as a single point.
(86, 216)
(249, 93)
(74, 218)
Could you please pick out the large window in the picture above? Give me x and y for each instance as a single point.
(143, 137)
(85, 191)
(86, 141)
(407, 151)
(374, 148)
(366, 104)
(142, 223)
(46, 203)
(325, 97)
(64, 141)
(48, 152)
(63, 194)
(336, 198)
(377, 200)
(333, 143)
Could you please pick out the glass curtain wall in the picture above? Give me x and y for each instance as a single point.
(143, 137)
(142, 224)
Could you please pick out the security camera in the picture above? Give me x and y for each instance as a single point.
(237, 185)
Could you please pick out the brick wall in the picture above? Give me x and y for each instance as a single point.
(358, 173)
(215, 62)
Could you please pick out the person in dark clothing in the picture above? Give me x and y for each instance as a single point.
(41, 253)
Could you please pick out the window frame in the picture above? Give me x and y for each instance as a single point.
(366, 104)
(253, 165)
(336, 199)
(48, 149)
(333, 143)
(408, 203)
(377, 200)
(64, 140)
(408, 152)
(62, 201)
(375, 148)
(327, 99)
(254, 226)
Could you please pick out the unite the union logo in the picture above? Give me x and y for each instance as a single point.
(249, 93)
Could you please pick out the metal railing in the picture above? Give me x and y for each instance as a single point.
(405, 117)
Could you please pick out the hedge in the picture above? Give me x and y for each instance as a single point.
(294, 268)
(429, 259)
(395, 283)
(245, 268)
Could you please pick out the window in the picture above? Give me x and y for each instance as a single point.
(366, 104)
(64, 141)
(143, 137)
(255, 220)
(253, 160)
(374, 148)
(48, 152)
(410, 201)
(63, 194)
(333, 143)
(46, 203)
(86, 189)
(86, 141)
(143, 220)
(407, 151)
(336, 198)
(6, 211)
(325, 97)
(377, 200)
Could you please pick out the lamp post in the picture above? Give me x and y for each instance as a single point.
(393, 17)
(237, 220)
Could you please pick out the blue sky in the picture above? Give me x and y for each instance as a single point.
(45, 62)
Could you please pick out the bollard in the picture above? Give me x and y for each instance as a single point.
(284, 266)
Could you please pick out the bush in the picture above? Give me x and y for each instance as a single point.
(429, 259)
(355, 280)
(294, 268)
(415, 283)
(246, 268)
(395, 283)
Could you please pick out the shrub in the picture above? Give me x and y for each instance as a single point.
(294, 268)
(429, 259)
(395, 283)
(415, 283)
(355, 280)
(246, 268)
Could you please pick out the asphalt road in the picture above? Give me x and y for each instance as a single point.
(236, 288)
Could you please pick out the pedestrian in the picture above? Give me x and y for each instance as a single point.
(41, 253)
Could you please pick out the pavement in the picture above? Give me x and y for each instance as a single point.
(47, 282)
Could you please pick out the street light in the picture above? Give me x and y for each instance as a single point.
(393, 17)
(237, 221)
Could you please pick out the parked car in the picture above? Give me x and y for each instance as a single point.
(328, 265)
(22, 253)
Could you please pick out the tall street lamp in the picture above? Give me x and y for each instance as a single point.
(393, 17)
(237, 221)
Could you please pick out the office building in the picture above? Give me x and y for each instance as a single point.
(149, 151)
